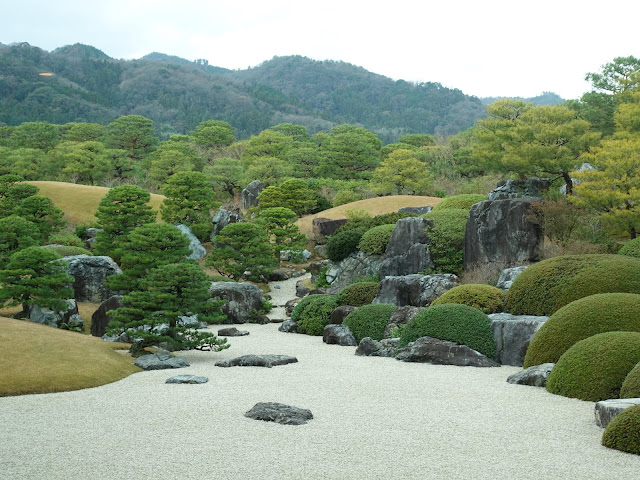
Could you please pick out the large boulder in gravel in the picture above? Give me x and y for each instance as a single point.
(508, 275)
(250, 194)
(222, 218)
(400, 316)
(288, 326)
(242, 300)
(415, 290)
(101, 318)
(56, 318)
(372, 348)
(89, 276)
(606, 410)
(443, 352)
(325, 227)
(160, 361)
(267, 361)
(512, 334)
(407, 251)
(197, 250)
(498, 231)
(535, 376)
(528, 188)
(279, 413)
(356, 265)
(338, 335)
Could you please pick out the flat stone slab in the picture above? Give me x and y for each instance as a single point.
(160, 361)
(535, 376)
(606, 410)
(188, 379)
(442, 352)
(232, 332)
(372, 348)
(257, 361)
(279, 413)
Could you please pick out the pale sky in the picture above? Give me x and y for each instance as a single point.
(484, 48)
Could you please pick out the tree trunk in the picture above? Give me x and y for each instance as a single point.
(568, 182)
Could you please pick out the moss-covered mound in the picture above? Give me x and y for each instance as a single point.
(312, 313)
(545, 287)
(588, 316)
(485, 298)
(464, 201)
(344, 243)
(375, 240)
(595, 368)
(369, 320)
(631, 385)
(623, 433)
(447, 239)
(631, 248)
(358, 294)
(457, 323)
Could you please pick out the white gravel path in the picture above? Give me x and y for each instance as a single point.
(375, 418)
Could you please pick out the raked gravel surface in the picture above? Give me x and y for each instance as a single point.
(374, 418)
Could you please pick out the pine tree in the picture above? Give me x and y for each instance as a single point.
(279, 224)
(43, 213)
(16, 233)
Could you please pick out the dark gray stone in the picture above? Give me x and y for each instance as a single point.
(54, 318)
(290, 305)
(416, 210)
(407, 252)
(338, 335)
(279, 413)
(160, 361)
(416, 290)
(512, 334)
(400, 316)
(498, 231)
(325, 227)
(320, 251)
(187, 379)
(528, 188)
(296, 256)
(279, 275)
(267, 361)
(372, 348)
(301, 289)
(89, 276)
(232, 332)
(288, 326)
(535, 376)
(250, 194)
(508, 275)
(356, 265)
(197, 250)
(101, 318)
(443, 352)
(606, 410)
(242, 300)
(90, 237)
(222, 218)
(340, 313)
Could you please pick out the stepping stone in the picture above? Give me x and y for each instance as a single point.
(279, 413)
(257, 361)
(232, 332)
(188, 379)
(160, 361)
(606, 410)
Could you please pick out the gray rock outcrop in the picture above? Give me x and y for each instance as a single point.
(498, 231)
(90, 237)
(288, 326)
(340, 313)
(267, 361)
(68, 317)
(407, 251)
(250, 194)
(416, 210)
(443, 352)
(606, 410)
(400, 316)
(222, 218)
(188, 379)
(512, 334)
(160, 361)
(296, 256)
(372, 348)
(232, 332)
(338, 335)
(508, 275)
(528, 188)
(356, 265)
(242, 300)
(279, 413)
(535, 376)
(101, 318)
(415, 290)
(197, 250)
(89, 276)
(325, 227)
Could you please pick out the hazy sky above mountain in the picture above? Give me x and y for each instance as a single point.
(484, 48)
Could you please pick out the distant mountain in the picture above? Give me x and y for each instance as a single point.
(546, 98)
(82, 84)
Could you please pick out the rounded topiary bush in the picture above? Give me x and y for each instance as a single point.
(631, 385)
(375, 240)
(358, 294)
(546, 286)
(447, 239)
(623, 433)
(464, 201)
(595, 368)
(313, 312)
(631, 248)
(344, 243)
(369, 320)
(454, 322)
(485, 298)
(588, 316)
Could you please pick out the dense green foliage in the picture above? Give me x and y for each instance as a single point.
(595, 368)
(486, 298)
(279, 225)
(16, 233)
(375, 240)
(457, 323)
(463, 201)
(344, 243)
(631, 248)
(369, 321)
(447, 239)
(313, 313)
(623, 432)
(68, 250)
(358, 294)
(188, 199)
(631, 385)
(41, 211)
(581, 319)
(546, 286)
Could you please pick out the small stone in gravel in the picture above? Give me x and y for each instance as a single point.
(277, 287)
(188, 379)
(535, 376)
(279, 413)
(606, 410)
(257, 361)
(160, 361)
(232, 332)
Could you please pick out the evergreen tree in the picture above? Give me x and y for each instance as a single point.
(279, 224)
(293, 194)
(189, 199)
(12, 192)
(16, 233)
(41, 211)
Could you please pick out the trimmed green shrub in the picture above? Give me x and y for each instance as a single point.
(447, 239)
(588, 316)
(358, 294)
(631, 248)
(68, 239)
(367, 222)
(631, 385)
(623, 433)
(343, 244)
(67, 250)
(375, 240)
(595, 368)
(464, 201)
(454, 322)
(369, 320)
(546, 286)
(485, 298)
(313, 312)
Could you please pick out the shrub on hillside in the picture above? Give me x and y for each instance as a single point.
(358, 294)
(464, 201)
(367, 222)
(546, 286)
(485, 298)
(454, 322)
(312, 313)
(343, 244)
(631, 248)
(345, 196)
(375, 240)
(67, 250)
(68, 239)
(369, 321)
(447, 239)
(583, 318)
(631, 385)
(623, 433)
(595, 368)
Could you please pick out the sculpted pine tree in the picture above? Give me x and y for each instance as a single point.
(43, 213)
(16, 233)
(189, 199)
(279, 224)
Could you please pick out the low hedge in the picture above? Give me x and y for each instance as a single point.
(588, 316)
(447, 239)
(485, 298)
(369, 321)
(313, 313)
(375, 240)
(631, 385)
(623, 433)
(631, 248)
(454, 322)
(549, 285)
(343, 244)
(595, 368)
(464, 201)
(358, 294)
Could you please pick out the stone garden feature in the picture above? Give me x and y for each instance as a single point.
(407, 251)
(196, 248)
(607, 410)
(160, 361)
(535, 376)
(325, 227)
(415, 290)
(338, 335)
(187, 379)
(101, 318)
(243, 300)
(222, 218)
(267, 361)
(279, 413)
(443, 352)
(89, 276)
(250, 194)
